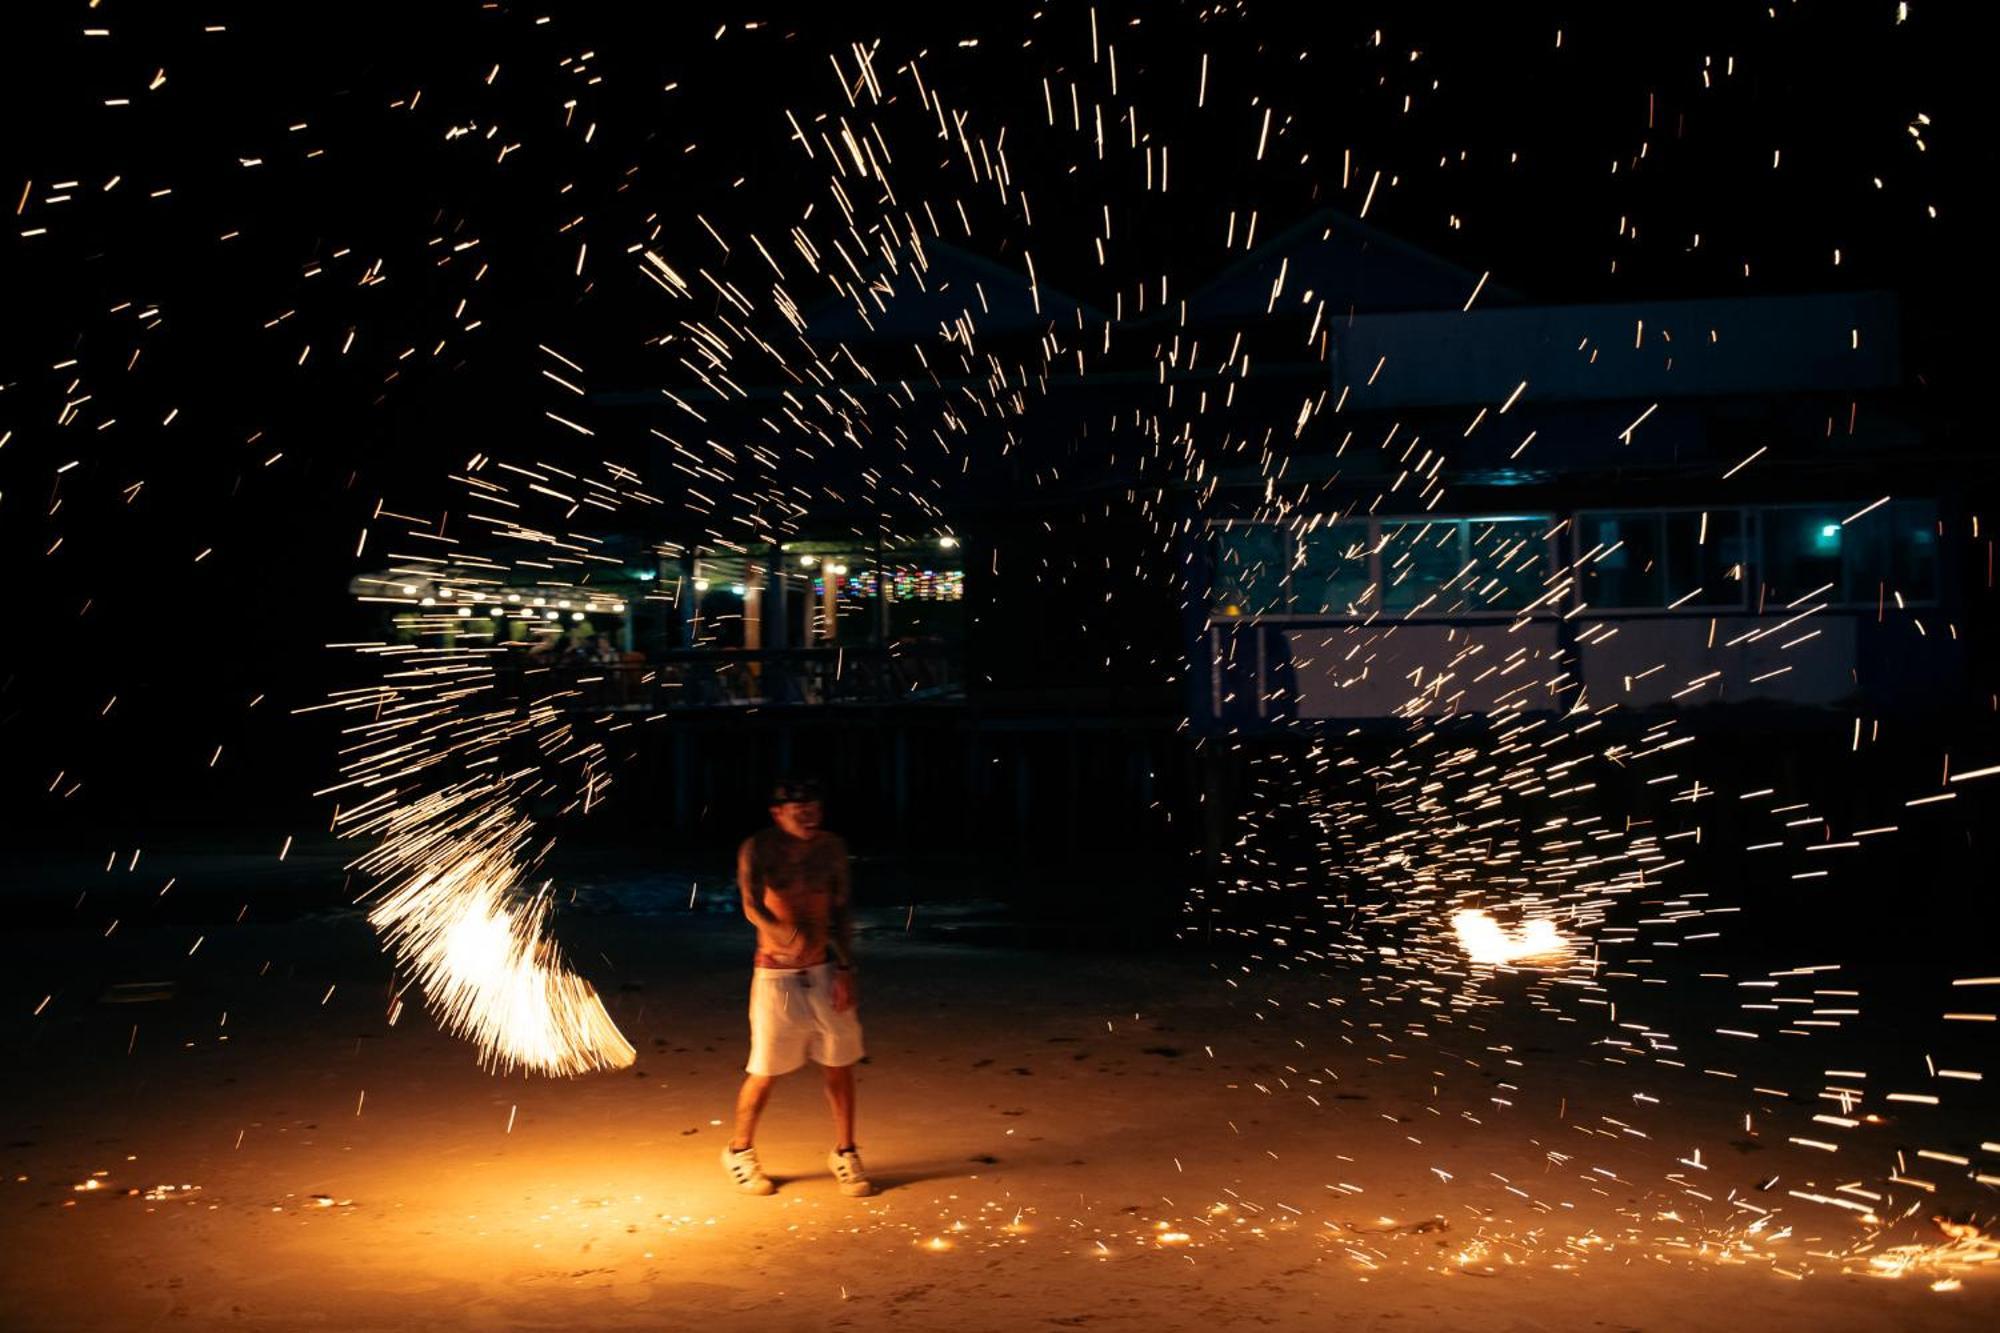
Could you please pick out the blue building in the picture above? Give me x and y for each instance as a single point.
(1665, 505)
(1431, 496)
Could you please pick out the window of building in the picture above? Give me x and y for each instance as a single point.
(1802, 555)
(1334, 574)
(1630, 560)
(1512, 560)
(1628, 570)
(1889, 551)
(1913, 549)
(1418, 556)
(1706, 557)
(1251, 561)
(1656, 559)
(1359, 566)
(1885, 551)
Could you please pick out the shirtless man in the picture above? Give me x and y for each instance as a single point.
(802, 1006)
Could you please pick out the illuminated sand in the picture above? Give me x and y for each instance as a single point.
(1098, 1141)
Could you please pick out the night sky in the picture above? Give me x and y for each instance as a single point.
(332, 175)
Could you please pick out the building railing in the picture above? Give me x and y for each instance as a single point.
(744, 678)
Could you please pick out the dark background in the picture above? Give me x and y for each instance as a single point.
(273, 466)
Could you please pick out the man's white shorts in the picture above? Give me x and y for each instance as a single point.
(792, 1020)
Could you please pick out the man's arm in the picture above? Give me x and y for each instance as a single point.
(840, 917)
(840, 937)
(753, 892)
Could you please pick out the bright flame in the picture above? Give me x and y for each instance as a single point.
(1487, 941)
(460, 919)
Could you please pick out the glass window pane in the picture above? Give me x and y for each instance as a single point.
(1627, 571)
(1704, 558)
(1892, 550)
(1417, 556)
(1250, 561)
(1333, 576)
(1915, 570)
(1802, 553)
(1512, 563)
(1865, 552)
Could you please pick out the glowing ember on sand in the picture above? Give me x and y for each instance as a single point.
(1964, 1248)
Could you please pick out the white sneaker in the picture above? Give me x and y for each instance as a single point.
(744, 1169)
(853, 1177)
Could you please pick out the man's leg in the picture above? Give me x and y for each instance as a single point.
(840, 1097)
(750, 1100)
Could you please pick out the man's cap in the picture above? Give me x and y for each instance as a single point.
(791, 790)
